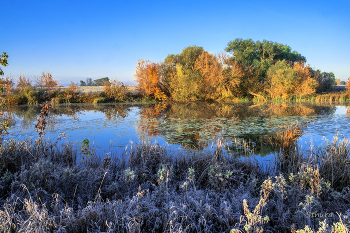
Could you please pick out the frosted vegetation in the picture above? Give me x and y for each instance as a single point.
(51, 187)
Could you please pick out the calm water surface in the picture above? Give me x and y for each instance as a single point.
(111, 127)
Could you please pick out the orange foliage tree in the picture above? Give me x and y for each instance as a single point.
(147, 76)
(72, 90)
(211, 72)
(46, 80)
(6, 85)
(23, 82)
(347, 85)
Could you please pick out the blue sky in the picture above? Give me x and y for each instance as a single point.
(75, 40)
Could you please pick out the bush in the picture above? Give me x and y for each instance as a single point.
(115, 90)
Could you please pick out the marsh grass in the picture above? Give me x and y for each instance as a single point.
(152, 188)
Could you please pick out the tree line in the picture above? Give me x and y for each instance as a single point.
(96, 82)
(247, 69)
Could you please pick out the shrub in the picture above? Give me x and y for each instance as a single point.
(115, 90)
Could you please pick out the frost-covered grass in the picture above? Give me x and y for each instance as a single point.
(151, 188)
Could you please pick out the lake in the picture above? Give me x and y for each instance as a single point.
(112, 127)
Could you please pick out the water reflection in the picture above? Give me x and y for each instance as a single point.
(190, 125)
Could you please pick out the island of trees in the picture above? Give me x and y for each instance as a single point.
(247, 69)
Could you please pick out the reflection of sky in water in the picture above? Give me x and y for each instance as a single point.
(115, 134)
(324, 128)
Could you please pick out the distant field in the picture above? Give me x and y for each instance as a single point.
(90, 89)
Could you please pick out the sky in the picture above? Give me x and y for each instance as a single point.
(75, 40)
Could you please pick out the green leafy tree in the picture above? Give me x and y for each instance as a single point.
(325, 80)
(101, 81)
(3, 61)
(89, 82)
(178, 76)
(187, 60)
(281, 80)
(255, 58)
(82, 83)
(167, 72)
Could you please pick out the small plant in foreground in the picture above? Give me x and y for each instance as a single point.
(85, 147)
(129, 175)
(218, 177)
(254, 221)
(41, 125)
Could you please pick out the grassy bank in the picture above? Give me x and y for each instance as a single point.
(327, 97)
(118, 92)
(152, 188)
(109, 93)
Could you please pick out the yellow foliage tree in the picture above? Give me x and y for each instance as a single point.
(284, 80)
(183, 88)
(305, 85)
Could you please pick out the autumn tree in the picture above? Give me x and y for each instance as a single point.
(347, 85)
(5, 85)
(115, 90)
(147, 76)
(72, 90)
(305, 84)
(46, 80)
(178, 75)
(284, 80)
(23, 82)
(3, 61)
(232, 74)
(182, 87)
(211, 83)
(281, 80)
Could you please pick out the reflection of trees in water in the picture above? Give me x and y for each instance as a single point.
(115, 111)
(195, 124)
(188, 124)
(27, 114)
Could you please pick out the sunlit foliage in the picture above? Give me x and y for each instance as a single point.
(347, 85)
(46, 80)
(115, 90)
(147, 76)
(284, 80)
(23, 82)
(305, 85)
(3, 61)
(212, 81)
(258, 69)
